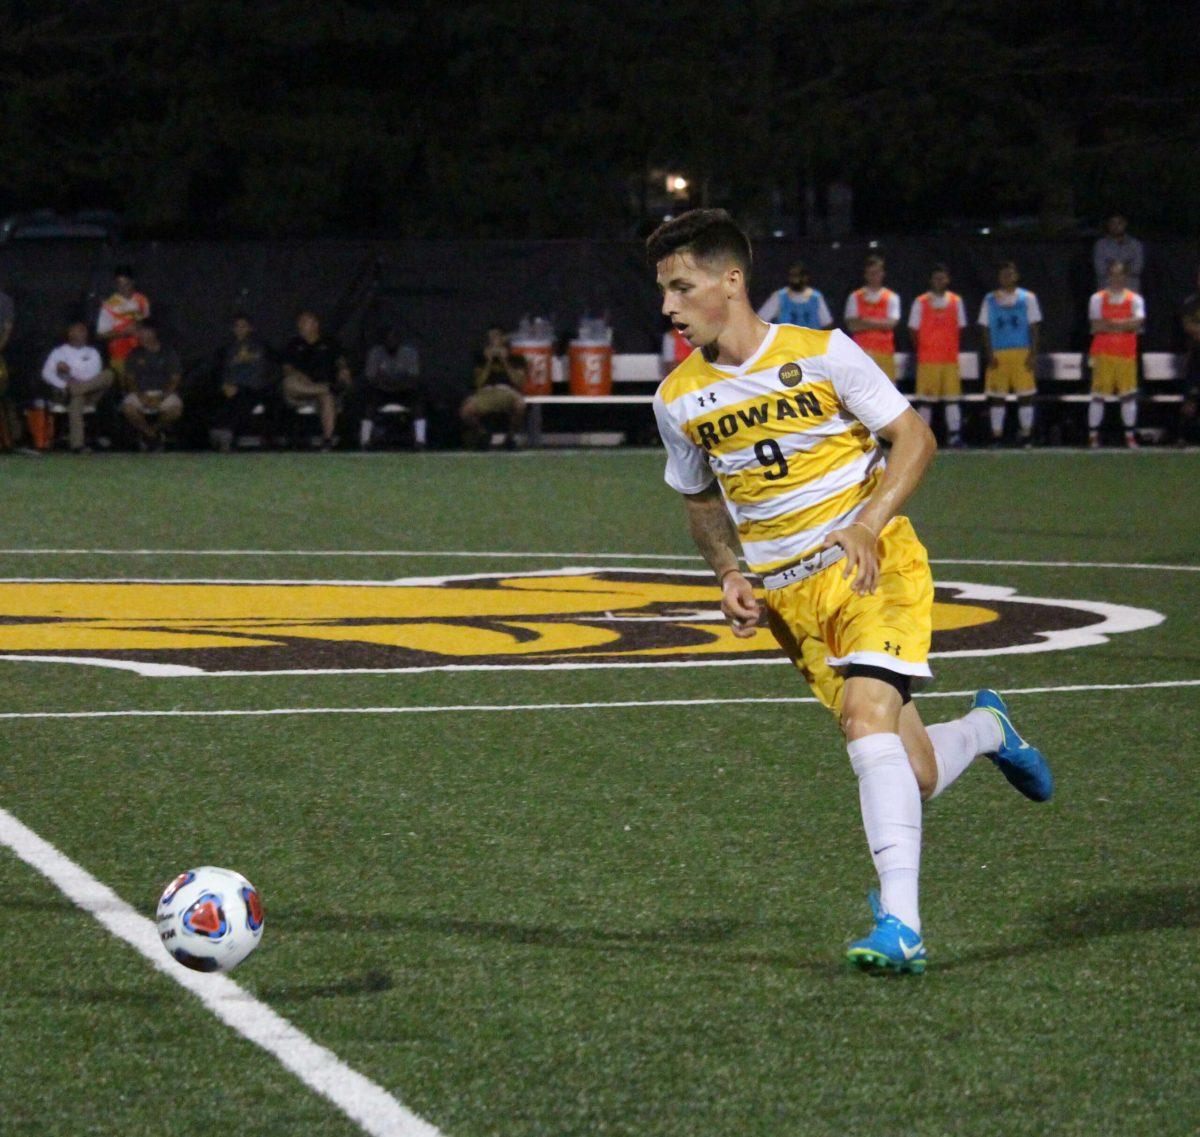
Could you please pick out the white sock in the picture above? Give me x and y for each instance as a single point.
(926, 413)
(996, 415)
(1129, 413)
(364, 431)
(1025, 417)
(1095, 414)
(891, 813)
(419, 431)
(956, 744)
(953, 418)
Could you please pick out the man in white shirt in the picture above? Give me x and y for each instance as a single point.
(75, 376)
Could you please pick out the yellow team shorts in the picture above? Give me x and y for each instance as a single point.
(886, 362)
(824, 626)
(1010, 373)
(1113, 375)
(939, 381)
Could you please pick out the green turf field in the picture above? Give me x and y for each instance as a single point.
(604, 920)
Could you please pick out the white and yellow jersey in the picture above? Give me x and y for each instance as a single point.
(787, 435)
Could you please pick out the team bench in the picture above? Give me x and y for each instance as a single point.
(643, 372)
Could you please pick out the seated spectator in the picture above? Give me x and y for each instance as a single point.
(391, 375)
(315, 370)
(799, 303)
(75, 375)
(119, 317)
(499, 377)
(1117, 247)
(1189, 411)
(247, 382)
(152, 377)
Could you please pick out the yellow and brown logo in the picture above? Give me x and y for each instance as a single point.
(790, 374)
(565, 618)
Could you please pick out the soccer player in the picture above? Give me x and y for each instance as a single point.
(1010, 319)
(1117, 316)
(799, 303)
(770, 437)
(872, 313)
(936, 320)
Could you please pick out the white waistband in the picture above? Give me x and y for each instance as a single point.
(804, 568)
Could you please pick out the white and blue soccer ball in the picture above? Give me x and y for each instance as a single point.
(210, 919)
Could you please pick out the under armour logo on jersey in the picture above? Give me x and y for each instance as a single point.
(889, 646)
(711, 399)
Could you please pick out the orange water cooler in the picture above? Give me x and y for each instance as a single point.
(591, 367)
(539, 364)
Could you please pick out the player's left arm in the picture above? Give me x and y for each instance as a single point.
(866, 393)
(913, 448)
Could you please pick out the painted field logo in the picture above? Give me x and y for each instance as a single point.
(565, 618)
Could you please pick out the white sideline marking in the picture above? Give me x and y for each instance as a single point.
(498, 707)
(360, 1099)
(692, 558)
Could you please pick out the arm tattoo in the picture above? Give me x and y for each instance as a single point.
(713, 531)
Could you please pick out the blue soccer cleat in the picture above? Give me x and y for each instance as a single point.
(891, 946)
(1023, 765)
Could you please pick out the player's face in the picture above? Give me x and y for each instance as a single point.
(125, 285)
(1116, 279)
(309, 326)
(1008, 278)
(695, 297)
(797, 280)
(77, 335)
(939, 281)
(873, 275)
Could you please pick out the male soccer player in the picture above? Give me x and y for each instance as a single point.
(936, 320)
(872, 313)
(1117, 316)
(770, 436)
(799, 303)
(1010, 320)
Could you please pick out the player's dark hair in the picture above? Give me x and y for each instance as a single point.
(873, 259)
(123, 270)
(940, 266)
(708, 234)
(799, 267)
(241, 315)
(1006, 264)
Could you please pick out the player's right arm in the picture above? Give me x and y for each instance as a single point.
(709, 523)
(712, 531)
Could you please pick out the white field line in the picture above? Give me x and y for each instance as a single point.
(493, 708)
(369, 1105)
(508, 554)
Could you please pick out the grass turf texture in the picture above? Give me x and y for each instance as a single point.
(605, 921)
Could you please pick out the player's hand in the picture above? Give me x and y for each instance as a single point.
(861, 546)
(740, 605)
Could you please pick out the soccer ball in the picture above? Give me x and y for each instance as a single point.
(210, 919)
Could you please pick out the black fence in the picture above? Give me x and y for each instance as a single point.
(443, 294)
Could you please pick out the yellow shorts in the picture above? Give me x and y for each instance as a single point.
(886, 362)
(824, 626)
(1010, 373)
(939, 381)
(1113, 375)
